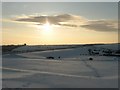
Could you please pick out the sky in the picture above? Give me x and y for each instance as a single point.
(37, 23)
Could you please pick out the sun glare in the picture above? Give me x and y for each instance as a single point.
(46, 30)
(47, 26)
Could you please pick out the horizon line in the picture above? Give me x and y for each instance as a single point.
(57, 44)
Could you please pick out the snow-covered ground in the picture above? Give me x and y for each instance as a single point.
(72, 70)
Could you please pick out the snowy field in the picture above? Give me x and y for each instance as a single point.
(72, 70)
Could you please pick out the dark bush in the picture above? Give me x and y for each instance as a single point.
(90, 58)
(50, 57)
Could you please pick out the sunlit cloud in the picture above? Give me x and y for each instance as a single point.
(70, 20)
(63, 19)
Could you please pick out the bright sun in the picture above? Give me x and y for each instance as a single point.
(46, 29)
(47, 26)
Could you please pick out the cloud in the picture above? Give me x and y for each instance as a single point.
(62, 19)
(101, 25)
(71, 21)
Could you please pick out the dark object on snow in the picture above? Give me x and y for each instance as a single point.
(59, 57)
(50, 57)
(90, 58)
